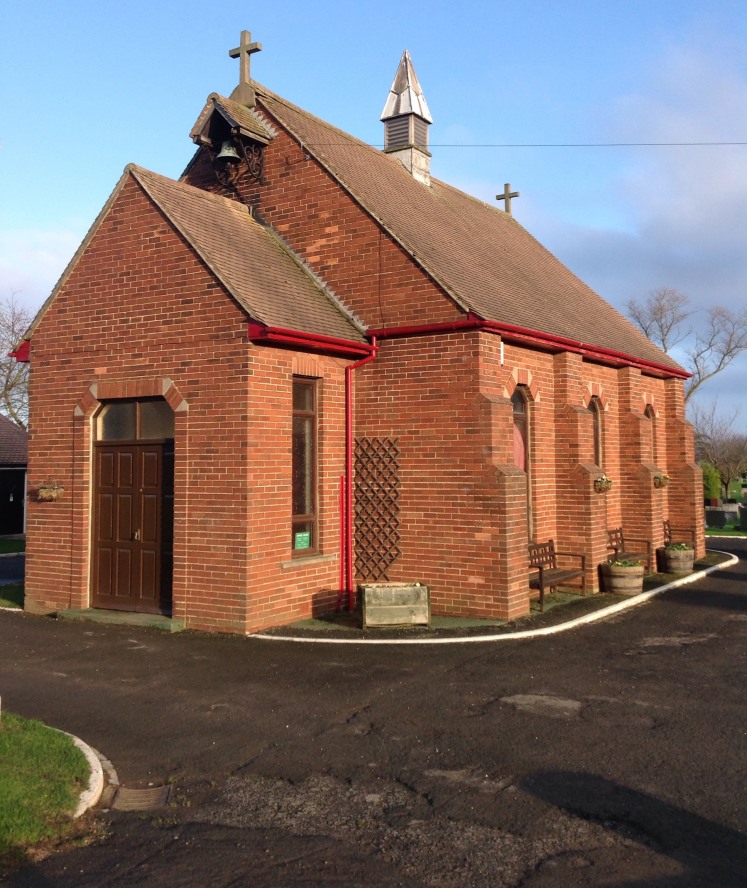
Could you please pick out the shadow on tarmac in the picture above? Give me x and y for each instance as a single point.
(725, 600)
(710, 854)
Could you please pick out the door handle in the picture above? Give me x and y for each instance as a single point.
(136, 535)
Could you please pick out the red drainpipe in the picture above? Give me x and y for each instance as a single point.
(349, 469)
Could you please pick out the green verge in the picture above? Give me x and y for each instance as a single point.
(734, 531)
(42, 774)
(12, 595)
(8, 546)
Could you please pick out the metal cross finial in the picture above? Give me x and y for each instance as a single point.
(244, 52)
(507, 195)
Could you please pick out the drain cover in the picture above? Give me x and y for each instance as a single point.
(141, 799)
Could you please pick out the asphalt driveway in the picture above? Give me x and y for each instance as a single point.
(615, 754)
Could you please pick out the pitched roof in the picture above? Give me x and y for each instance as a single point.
(254, 265)
(480, 255)
(14, 443)
(235, 115)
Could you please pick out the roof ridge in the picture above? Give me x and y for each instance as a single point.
(142, 172)
(263, 92)
(348, 137)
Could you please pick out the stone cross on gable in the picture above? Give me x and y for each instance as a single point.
(243, 52)
(507, 195)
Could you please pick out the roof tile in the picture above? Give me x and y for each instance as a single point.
(254, 265)
(14, 444)
(480, 255)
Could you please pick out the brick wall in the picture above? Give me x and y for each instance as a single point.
(141, 316)
(338, 240)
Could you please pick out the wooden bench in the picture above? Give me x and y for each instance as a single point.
(673, 535)
(547, 575)
(678, 534)
(622, 551)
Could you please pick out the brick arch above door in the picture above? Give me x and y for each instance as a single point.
(109, 390)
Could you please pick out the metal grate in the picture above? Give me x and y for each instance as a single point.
(148, 798)
(376, 507)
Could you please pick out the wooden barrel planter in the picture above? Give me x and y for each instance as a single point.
(679, 560)
(622, 579)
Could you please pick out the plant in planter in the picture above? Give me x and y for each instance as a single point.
(49, 491)
(623, 577)
(602, 484)
(678, 558)
(661, 480)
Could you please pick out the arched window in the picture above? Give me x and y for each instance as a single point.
(522, 447)
(651, 414)
(595, 406)
(521, 430)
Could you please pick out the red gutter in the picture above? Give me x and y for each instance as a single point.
(22, 353)
(311, 341)
(349, 468)
(514, 333)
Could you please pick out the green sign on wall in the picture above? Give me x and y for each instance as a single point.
(302, 539)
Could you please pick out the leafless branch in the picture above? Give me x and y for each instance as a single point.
(661, 316)
(14, 321)
(722, 338)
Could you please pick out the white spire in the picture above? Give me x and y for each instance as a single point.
(406, 96)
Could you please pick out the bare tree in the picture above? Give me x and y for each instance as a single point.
(14, 377)
(717, 443)
(662, 316)
(710, 345)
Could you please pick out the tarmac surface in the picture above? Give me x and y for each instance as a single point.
(614, 754)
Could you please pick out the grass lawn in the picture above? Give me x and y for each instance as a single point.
(41, 777)
(7, 546)
(12, 595)
(732, 530)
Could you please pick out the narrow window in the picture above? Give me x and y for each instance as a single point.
(651, 414)
(304, 527)
(519, 404)
(522, 453)
(595, 406)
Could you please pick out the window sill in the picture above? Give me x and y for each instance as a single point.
(300, 561)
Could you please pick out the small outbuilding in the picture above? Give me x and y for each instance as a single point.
(13, 462)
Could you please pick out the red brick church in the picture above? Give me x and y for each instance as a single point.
(308, 364)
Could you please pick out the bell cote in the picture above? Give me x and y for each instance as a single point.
(406, 120)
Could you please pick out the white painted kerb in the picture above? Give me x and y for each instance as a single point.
(92, 793)
(527, 633)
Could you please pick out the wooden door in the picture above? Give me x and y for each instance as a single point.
(133, 516)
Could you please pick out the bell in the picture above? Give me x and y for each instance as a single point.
(228, 153)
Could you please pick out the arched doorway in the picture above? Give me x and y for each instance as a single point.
(133, 506)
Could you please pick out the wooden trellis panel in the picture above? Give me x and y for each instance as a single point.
(377, 487)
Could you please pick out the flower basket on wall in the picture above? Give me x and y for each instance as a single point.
(49, 492)
(661, 480)
(602, 484)
(623, 577)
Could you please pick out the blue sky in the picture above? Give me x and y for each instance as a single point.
(88, 87)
